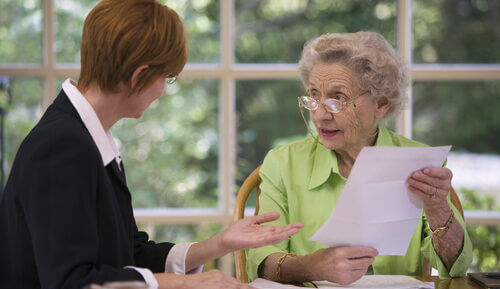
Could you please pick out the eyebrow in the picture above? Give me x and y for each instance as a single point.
(332, 88)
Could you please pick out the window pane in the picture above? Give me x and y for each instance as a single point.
(268, 116)
(202, 23)
(464, 115)
(20, 31)
(201, 20)
(21, 100)
(450, 31)
(176, 233)
(170, 154)
(275, 30)
(485, 248)
(70, 15)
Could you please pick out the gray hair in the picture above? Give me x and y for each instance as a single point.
(378, 67)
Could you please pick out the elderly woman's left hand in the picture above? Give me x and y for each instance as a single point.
(432, 184)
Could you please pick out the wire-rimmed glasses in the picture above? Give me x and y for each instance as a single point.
(170, 79)
(331, 105)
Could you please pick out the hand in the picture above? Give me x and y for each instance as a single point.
(432, 185)
(243, 234)
(342, 265)
(210, 280)
(249, 233)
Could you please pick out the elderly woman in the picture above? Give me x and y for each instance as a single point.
(66, 216)
(353, 81)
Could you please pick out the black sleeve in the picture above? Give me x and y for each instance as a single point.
(149, 254)
(58, 201)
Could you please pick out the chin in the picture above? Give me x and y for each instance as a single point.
(137, 115)
(329, 144)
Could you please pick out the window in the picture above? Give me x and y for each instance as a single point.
(236, 98)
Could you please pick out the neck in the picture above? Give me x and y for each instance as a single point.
(347, 156)
(105, 105)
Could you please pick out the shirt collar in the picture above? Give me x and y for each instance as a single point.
(324, 164)
(325, 160)
(103, 140)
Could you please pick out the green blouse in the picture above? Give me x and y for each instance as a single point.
(301, 181)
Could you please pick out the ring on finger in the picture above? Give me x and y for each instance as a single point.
(435, 192)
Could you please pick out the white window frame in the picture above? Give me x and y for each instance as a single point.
(228, 72)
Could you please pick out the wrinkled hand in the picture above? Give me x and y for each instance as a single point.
(210, 280)
(249, 233)
(342, 265)
(432, 184)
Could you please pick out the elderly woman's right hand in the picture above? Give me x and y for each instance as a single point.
(342, 265)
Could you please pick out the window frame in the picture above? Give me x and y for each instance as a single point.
(228, 72)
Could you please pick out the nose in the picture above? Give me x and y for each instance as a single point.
(321, 113)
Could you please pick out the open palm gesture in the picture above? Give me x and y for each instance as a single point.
(250, 233)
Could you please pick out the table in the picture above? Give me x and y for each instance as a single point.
(454, 283)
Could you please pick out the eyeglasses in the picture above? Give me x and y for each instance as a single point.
(331, 105)
(170, 80)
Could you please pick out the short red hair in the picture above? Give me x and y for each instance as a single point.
(121, 35)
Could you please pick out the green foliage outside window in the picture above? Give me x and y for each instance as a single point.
(485, 239)
(171, 153)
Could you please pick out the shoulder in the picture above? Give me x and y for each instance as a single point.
(296, 150)
(399, 140)
(289, 160)
(56, 133)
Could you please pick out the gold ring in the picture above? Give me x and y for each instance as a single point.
(435, 192)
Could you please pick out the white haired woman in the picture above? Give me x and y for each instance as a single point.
(353, 80)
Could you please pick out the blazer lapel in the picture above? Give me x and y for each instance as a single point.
(119, 174)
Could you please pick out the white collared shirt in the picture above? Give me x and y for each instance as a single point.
(176, 258)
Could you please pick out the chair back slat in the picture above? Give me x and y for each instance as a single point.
(251, 184)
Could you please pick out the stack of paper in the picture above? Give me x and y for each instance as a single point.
(366, 282)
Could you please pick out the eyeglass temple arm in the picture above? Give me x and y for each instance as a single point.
(307, 124)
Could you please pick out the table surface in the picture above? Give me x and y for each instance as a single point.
(454, 283)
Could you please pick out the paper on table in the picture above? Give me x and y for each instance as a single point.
(376, 208)
(381, 282)
(366, 282)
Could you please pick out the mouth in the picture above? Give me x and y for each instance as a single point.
(327, 133)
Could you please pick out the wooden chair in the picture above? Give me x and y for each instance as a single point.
(252, 183)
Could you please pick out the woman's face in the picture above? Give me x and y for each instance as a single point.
(141, 101)
(343, 130)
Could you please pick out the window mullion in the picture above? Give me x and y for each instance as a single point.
(227, 129)
(404, 30)
(48, 41)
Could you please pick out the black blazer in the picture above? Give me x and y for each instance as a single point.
(66, 220)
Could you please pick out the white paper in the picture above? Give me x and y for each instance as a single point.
(366, 282)
(266, 284)
(381, 282)
(376, 208)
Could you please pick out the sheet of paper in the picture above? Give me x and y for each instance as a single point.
(376, 208)
(366, 282)
(266, 284)
(381, 282)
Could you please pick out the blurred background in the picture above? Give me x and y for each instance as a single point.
(236, 99)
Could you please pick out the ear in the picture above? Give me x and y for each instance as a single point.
(135, 75)
(382, 106)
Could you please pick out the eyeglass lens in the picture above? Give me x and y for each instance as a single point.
(331, 105)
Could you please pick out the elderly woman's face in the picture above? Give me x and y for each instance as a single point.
(342, 130)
